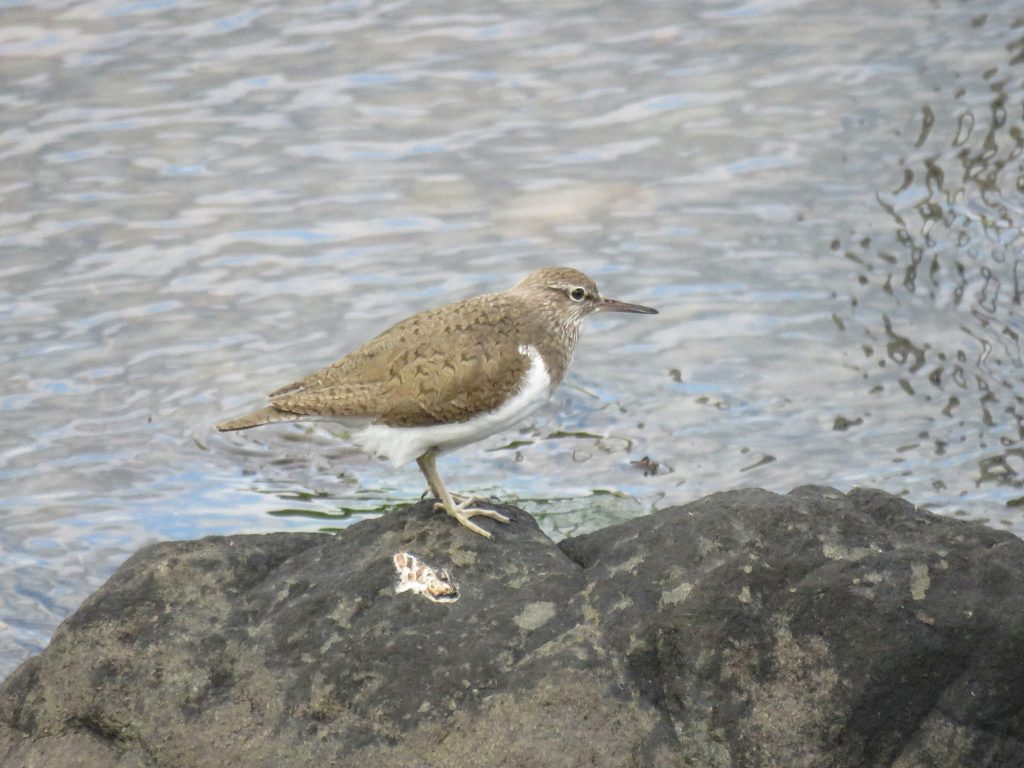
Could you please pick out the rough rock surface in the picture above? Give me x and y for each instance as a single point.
(746, 629)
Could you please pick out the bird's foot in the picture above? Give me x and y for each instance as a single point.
(458, 498)
(463, 512)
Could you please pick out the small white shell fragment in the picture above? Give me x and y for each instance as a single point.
(415, 575)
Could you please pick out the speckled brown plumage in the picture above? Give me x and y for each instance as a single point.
(436, 367)
(443, 365)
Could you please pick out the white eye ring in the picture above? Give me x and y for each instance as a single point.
(578, 294)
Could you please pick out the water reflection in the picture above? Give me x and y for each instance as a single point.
(938, 306)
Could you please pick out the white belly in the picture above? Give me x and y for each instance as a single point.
(401, 444)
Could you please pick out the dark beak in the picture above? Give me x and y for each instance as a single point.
(614, 305)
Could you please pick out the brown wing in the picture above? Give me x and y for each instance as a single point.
(444, 365)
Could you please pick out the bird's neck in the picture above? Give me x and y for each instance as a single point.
(556, 344)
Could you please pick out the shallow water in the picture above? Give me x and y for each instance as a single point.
(202, 202)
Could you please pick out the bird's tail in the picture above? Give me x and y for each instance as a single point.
(268, 415)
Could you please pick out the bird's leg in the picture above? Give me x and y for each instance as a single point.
(461, 512)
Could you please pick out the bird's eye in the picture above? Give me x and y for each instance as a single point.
(578, 294)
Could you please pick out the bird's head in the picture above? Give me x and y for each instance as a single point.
(572, 295)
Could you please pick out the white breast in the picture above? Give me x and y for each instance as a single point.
(402, 444)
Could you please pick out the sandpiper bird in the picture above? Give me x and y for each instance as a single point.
(449, 376)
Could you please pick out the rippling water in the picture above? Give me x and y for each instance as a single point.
(204, 201)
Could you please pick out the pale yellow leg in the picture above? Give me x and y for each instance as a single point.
(461, 511)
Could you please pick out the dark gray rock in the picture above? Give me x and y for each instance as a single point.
(818, 629)
(746, 629)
